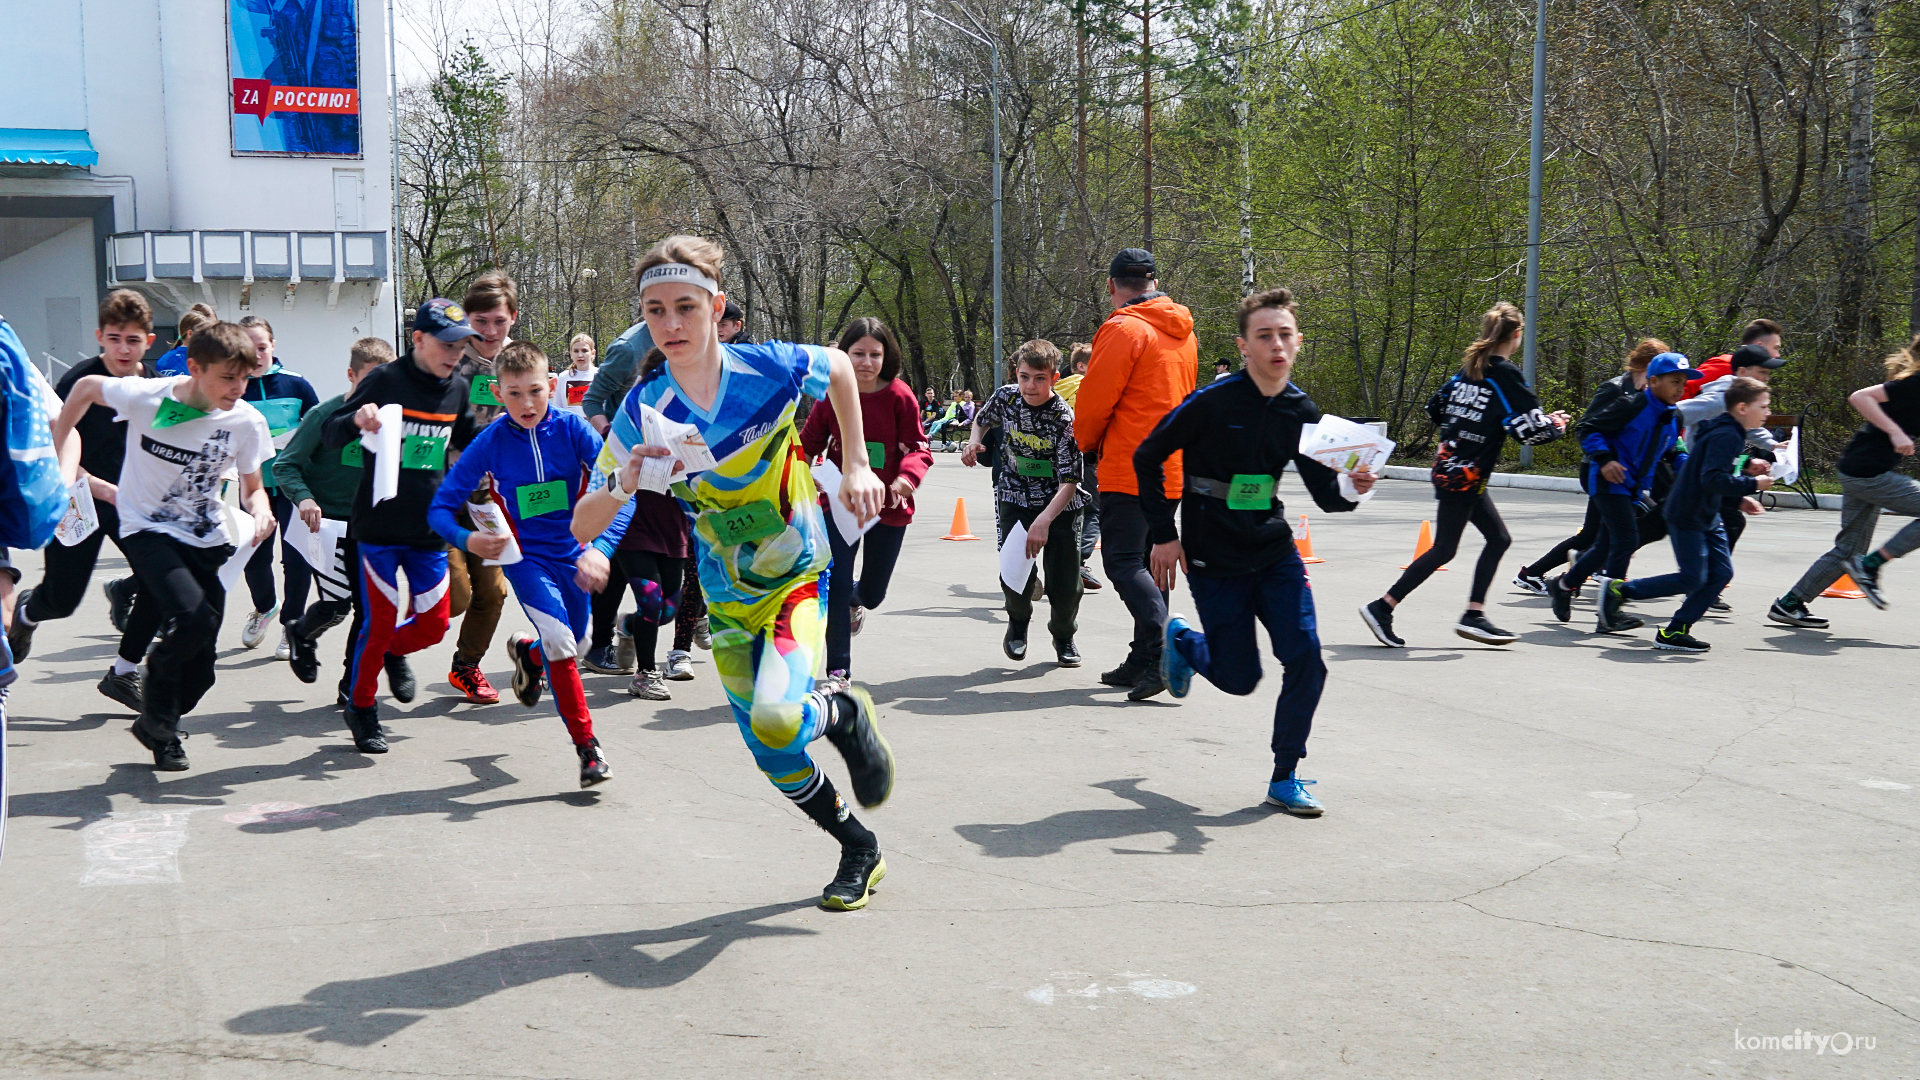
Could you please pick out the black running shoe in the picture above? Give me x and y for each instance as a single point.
(601, 661)
(124, 688)
(168, 754)
(1068, 654)
(869, 758)
(1679, 641)
(593, 764)
(1015, 643)
(364, 724)
(119, 593)
(526, 670)
(1088, 582)
(1793, 613)
(1868, 581)
(303, 657)
(1560, 597)
(1474, 626)
(860, 870)
(20, 634)
(1379, 619)
(400, 678)
(1150, 683)
(1125, 675)
(1608, 599)
(1530, 583)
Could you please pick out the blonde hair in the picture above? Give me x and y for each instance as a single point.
(521, 358)
(577, 339)
(1644, 352)
(369, 352)
(1496, 326)
(194, 318)
(1904, 362)
(703, 255)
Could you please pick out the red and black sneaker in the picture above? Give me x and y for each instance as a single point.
(468, 679)
(593, 764)
(527, 672)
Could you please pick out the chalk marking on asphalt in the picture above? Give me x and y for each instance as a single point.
(1884, 785)
(1153, 989)
(1615, 795)
(135, 847)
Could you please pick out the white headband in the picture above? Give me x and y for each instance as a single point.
(680, 272)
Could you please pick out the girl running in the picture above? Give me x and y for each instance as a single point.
(898, 453)
(760, 535)
(1475, 411)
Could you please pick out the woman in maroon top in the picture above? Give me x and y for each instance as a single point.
(897, 448)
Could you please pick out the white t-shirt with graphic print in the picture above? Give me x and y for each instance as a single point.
(170, 483)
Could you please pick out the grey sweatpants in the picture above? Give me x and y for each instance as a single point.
(1862, 499)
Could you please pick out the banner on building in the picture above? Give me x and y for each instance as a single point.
(295, 66)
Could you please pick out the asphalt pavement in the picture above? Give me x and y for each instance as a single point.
(1572, 857)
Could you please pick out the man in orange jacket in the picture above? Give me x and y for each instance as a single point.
(1145, 359)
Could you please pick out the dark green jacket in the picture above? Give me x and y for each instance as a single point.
(307, 469)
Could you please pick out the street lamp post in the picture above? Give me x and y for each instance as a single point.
(993, 90)
(1534, 168)
(593, 309)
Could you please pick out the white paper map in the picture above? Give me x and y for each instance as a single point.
(656, 473)
(81, 518)
(1016, 570)
(488, 518)
(1344, 446)
(385, 443)
(826, 476)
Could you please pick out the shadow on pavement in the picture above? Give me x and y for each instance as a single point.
(139, 781)
(83, 722)
(1154, 814)
(949, 695)
(1820, 643)
(361, 1012)
(486, 776)
(688, 719)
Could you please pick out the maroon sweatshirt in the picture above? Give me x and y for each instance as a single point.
(896, 440)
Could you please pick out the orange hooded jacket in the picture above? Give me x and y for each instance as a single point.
(1145, 359)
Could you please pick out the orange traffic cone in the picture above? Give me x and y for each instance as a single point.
(1421, 545)
(1844, 589)
(1304, 541)
(959, 530)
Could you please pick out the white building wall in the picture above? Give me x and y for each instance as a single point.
(148, 80)
(48, 296)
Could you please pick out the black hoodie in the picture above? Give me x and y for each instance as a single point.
(435, 411)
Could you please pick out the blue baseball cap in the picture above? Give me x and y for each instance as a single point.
(444, 319)
(1672, 361)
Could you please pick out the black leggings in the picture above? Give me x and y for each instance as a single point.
(656, 581)
(1449, 523)
(1563, 552)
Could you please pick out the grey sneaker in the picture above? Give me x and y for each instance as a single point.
(703, 633)
(255, 631)
(679, 665)
(650, 685)
(625, 661)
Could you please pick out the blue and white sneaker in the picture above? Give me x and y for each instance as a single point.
(1291, 795)
(1174, 669)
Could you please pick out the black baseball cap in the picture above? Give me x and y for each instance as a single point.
(1756, 356)
(1133, 262)
(733, 313)
(444, 319)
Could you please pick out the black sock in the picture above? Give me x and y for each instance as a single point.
(823, 805)
(1282, 771)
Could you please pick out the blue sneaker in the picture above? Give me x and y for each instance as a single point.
(1291, 795)
(1174, 669)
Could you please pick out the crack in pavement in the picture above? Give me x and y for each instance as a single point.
(93, 1056)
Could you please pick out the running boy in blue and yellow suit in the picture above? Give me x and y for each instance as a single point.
(534, 461)
(759, 533)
